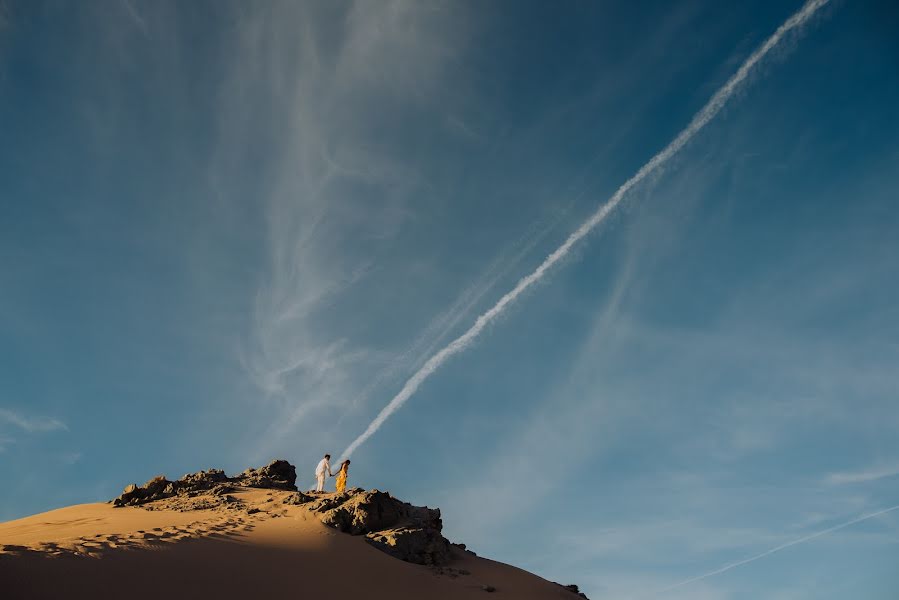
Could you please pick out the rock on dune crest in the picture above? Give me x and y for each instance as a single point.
(279, 474)
(410, 533)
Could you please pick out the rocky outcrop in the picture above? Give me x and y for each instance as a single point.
(279, 474)
(574, 590)
(410, 533)
(365, 512)
(420, 545)
(201, 481)
(155, 489)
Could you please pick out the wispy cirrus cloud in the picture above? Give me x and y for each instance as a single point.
(135, 16)
(866, 475)
(70, 458)
(338, 183)
(30, 424)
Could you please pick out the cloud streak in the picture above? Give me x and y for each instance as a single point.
(795, 542)
(31, 424)
(699, 121)
(865, 476)
(444, 323)
(136, 17)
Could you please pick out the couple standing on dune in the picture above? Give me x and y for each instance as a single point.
(324, 466)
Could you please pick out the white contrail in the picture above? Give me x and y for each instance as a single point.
(700, 120)
(443, 324)
(779, 548)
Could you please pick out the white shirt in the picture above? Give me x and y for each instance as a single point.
(323, 467)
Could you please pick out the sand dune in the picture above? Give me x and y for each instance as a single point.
(249, 543)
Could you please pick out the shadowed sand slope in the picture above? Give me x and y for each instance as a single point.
(258, 543)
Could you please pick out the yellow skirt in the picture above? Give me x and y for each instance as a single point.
(341, 482)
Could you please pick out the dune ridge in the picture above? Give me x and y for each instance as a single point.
(254, 533)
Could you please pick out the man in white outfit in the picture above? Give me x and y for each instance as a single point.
(324, 466)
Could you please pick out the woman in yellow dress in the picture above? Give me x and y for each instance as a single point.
(341, 476)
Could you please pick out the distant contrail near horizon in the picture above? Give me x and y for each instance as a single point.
(778, 549)
(700, 120)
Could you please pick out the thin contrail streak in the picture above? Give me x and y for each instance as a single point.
(779, 548)
(700, 120)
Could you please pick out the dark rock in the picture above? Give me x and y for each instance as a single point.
(488, 588)
(372, 511)
(298, 498)
(157, 485)
(327, 503)
(410, 533)
(202, 480)
(279, 474)
(573, 589)
(222, 489)
(155, 489)
(419, 546)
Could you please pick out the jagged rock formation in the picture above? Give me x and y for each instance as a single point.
(410, 533)
(279, 474)
(574, 589)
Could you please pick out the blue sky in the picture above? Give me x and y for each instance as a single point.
(230, 232)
